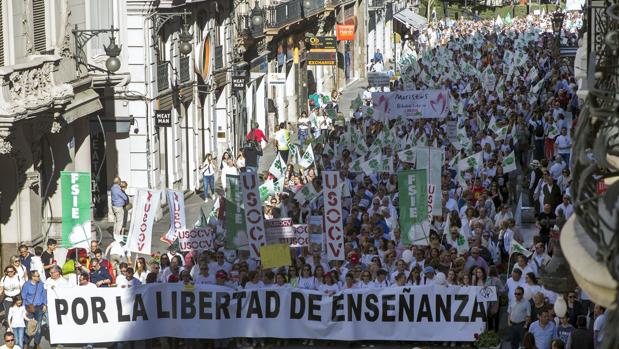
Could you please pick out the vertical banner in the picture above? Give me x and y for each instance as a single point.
(176, 203)
(431, 159)
(333, 215)
(76, 198)
(254, 219)
(234, 219)
(141, 231)
(412, 191)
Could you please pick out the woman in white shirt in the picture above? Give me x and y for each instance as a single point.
(329, 287)
(531, 287)
(253, 281)
(349, 282)
(140, 270)
(366, 280)
(16, 317)
(21, 269)
(306, 281)
(228, 169)
(11, 285)
(280, 281)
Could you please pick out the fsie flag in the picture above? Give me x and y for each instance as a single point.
(75, 187)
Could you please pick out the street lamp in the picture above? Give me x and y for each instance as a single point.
(82, 36)
(159, 20)
(185, 38)
(257, 16)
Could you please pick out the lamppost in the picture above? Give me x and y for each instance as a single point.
(257, 19)
(82, 36)
(557, 25)
(159, 20)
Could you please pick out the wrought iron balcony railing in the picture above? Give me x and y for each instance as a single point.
(163, 77)
(282, 14)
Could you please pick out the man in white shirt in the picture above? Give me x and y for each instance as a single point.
(598, 326)
(220, 263)
(84, 281)
(55, 279)
(566, 206)
(204, 277)
(513, 283)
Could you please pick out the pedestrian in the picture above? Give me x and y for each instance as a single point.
(99, 275)
(543, 330)
(208, 176)
(282, 140)
(25, 257)
(10, 286)
(47, 257)
(17, 317)
(229, 168)
(582, 337)
(303, 127)
(10, 341)
(240, 162)
(518, 317)
(35, 300)
(119, 201)
(256, 137)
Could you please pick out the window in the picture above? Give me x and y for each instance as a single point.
(38, 25)
(161, 38)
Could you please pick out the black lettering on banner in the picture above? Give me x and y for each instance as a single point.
(174, 306)
(406, 307)
(222, 302)
(98, 309)
(337, 305)
(313, 306)
(479, 311)
(81, 302)
(188, 308)
(443, 308)
(161, 314)
(205, 304)
(239, 302)
(62, 308)
(354, 307)
(406, 290)
(254, 305)
(139, 309)
(371, 301)
(119, 305)
(272, 304)
(294, 298)
(425, 310)
(463, 299)
(388, 307)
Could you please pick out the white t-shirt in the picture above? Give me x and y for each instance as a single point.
(201, 279)
(328, 290)
(564, 143)
(253, 286)
(16, 316)
(12, 285)
(598, 326)
(307, 283)
(62, 282)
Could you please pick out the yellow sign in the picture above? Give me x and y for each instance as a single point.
(275, 256)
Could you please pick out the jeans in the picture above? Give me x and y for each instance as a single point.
(209, 185)
(517, 332)
(38, 316)
(566, 157)
(302, 137)
(19, 335)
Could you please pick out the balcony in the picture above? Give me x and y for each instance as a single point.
(183, 70)
(317, 6)
(282, 14)
(163, 78)
(376, 4)
(219, 57)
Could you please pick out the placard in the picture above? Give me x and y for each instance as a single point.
(238, 83)
(196, 239)
(254, 220)
(419, 104)
(378, 79)
(334, 232)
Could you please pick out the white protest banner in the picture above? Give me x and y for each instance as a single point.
(420, 313)
(176, 204)
(332, 191)
(377, 79)
(141, 230)
(283, 231)
(254, 220)
(196, 239)
(431, 159)
(418, 104)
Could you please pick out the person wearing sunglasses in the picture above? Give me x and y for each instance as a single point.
(519, 315)
(9, 341)
(10, 286)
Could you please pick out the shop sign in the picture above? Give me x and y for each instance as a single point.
(277, 78)
(238, 83)
(345, 32)
(163, 118)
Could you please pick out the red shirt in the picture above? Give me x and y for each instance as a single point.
(256, 135)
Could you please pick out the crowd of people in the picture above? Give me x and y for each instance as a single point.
(492, 88)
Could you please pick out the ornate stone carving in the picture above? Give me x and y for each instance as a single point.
(5, 142)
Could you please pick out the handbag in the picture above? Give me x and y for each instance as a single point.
(30, 307)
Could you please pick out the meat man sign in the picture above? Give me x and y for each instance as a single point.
(253, 213)
(334, 232)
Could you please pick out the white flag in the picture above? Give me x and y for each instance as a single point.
(176, 203)
(308, 157)
(141, 231)
(509, 163)
(473, 161)
(278, 167)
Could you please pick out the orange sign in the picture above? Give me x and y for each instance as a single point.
(345, 32)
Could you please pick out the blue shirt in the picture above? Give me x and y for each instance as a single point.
(34, 294)
(543, 336)
(99, 275)
(119, 198)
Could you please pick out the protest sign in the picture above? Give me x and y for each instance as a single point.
(378, 79)
(254, 220)
(234, 218)
(333, 215)
(275, 256)
(283, 231)
(413, 194)
(196, 239)
(431, 159)
(141, 230)
(418, 313)
(176, 204)
(76, 217)
(411, 104)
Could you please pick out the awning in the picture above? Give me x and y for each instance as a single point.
(411, 19)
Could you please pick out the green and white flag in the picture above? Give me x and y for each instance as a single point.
(473, 161)
(278, 167)
(492, 125)
(307, 194)
(372, 166)
(501, 133)
(294, 153)
(413, 194)
(355, 165)
(387, 164)
(553, 131)
(516, 247)
(266, 189)
(407, 155)
(308, 157)
(509, 163)
(76, 217)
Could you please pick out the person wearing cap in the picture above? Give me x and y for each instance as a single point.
(221, 279)
(430, 276)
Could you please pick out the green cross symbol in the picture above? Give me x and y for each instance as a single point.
(472, 162)
(509, 160)
(374, 164)
(278, 165)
